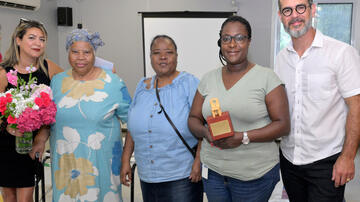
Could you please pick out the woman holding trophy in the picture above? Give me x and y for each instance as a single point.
(240, 109)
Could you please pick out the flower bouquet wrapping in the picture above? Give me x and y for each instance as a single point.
(26, 108)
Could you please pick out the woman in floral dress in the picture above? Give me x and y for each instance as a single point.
(86, 141)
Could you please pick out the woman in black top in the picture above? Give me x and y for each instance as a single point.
(27, 48)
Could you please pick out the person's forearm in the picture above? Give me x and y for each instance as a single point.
(198, 149)
(352, 128)
(43, 134)
(196, 126)
(128, 149)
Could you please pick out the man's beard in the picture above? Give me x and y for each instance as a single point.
(298, 33)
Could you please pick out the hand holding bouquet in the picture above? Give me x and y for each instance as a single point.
(26, 108)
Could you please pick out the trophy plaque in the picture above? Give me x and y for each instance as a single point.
(219, 123)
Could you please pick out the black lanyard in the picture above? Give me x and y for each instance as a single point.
(171, 123)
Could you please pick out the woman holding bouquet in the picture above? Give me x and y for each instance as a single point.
(85, 141)
(27, 49)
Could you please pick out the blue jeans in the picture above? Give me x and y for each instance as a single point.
(219, 188)
(174, 191)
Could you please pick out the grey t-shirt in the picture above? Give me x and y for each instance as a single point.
(245, 101)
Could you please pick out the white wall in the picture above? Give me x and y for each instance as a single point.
(119, 24)
(9, 19)
(258, 13)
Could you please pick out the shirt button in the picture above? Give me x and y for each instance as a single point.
(149, 131)
(151, 116)
(155, 103)
(150, 146)
(152, 161)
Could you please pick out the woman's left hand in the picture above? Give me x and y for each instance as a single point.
(39, 142)
(229, 142)
(38, 147)
(195, 175)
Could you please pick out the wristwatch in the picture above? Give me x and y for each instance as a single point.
(245, 139)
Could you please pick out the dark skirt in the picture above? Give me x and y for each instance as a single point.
(16, 170)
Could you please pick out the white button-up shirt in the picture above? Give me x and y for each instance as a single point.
(316, 85)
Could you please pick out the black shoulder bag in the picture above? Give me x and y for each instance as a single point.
(191, 150)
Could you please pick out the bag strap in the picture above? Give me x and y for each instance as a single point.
(193, 153)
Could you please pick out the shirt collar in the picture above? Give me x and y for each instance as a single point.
(317, 42)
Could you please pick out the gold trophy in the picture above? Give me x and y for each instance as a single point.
(220, 122)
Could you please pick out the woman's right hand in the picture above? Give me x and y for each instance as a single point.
(125, 174)
(14, 131)
(206, 134)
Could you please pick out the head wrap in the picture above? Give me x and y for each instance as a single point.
(84, 35)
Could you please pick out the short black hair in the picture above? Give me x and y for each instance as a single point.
(163, 36)
(236, 18)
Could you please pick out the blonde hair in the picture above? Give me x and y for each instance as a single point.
(12, 55)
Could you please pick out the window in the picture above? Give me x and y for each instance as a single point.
(334, 18)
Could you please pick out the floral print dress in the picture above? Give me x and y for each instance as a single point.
(85, 141)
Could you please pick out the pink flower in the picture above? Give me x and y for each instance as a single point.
(29, 120)
(48, 113)
(46, 98)
(12, 77)
(11, 120)
(8, 97)
(43, 101)
(39, 102)
(3, 103)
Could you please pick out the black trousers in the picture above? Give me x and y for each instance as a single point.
(311, 182)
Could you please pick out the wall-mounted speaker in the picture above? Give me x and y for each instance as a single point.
(64, 16)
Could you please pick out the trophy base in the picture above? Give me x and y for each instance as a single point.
(220, 126)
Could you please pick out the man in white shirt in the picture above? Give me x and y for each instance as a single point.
(322, 79)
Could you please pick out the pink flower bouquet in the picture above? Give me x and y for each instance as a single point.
(26, 108)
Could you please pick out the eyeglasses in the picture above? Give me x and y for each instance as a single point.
(238, 38)
(300, 9)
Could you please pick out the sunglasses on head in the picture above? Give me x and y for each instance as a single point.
(27, 21)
